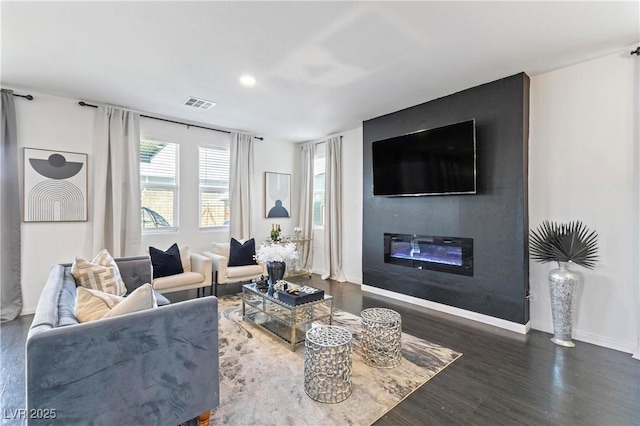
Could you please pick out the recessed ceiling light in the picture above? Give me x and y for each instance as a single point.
(199, 103)
(247, 80)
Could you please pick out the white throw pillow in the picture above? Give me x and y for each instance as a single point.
(101, 273)
(140, 299)
(92, 305)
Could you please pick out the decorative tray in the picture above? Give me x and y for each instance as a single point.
(295, 296)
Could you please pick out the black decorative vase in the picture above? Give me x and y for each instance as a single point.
(275, 271)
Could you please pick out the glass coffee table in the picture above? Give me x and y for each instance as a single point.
(288, 322)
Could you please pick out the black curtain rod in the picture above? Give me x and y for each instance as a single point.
(319, 142)
(636, 52)
(82, 103)
(27, 97)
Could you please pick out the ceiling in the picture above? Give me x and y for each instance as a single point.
(321, 67)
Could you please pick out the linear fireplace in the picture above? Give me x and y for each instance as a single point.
(444, 254)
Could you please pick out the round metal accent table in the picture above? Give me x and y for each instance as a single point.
(381, 337)
(327, 363)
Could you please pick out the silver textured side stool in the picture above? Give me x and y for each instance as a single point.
(327, 363)
(381, 337)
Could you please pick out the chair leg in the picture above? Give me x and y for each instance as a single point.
(214, 285)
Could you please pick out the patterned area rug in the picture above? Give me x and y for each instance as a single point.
(262, 380)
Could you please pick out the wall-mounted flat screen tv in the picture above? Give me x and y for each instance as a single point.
(427, 162)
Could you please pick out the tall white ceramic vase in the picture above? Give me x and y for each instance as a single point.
(563, 289)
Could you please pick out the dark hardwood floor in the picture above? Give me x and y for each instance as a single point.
(502, 378)
(13, 336)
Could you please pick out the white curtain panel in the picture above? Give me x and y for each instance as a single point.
(116, 183)
(307, 155)
(333, 210)
(10, 260)
(240, 184)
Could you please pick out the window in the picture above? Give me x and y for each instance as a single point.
(214, 187)
(318, 186)
(159, 184)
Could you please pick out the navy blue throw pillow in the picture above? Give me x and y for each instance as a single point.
(242, 254)
(165, 263)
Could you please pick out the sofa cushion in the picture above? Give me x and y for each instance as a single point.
(242, 254)
(245, 271)
(67, 300)
(179, 280)
(166, 263)
(135, 271)
(47, 315)
(101, 274)
(92, 305)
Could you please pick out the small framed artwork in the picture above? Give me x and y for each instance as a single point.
(55, 186)
(277, 194)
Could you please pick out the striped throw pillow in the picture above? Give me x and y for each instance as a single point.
(101, 274)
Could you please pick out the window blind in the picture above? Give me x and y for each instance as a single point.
(214, 186)
(158, 184)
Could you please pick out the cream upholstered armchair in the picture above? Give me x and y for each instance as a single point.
(196, 273)
(225, 274)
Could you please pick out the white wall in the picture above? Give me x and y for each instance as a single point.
(583, 158)
(352, 205)
(56, 123)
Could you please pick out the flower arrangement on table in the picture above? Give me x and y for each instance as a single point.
(270, 252)
(276, 256)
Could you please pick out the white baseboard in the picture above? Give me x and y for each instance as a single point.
(354, 280)
(594, 339)
(486, 319)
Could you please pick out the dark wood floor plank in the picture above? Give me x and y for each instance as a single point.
(502, 378)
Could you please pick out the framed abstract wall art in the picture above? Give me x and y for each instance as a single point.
(277, 194)
(55, 186)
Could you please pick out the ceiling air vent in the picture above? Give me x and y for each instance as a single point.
(199, 103)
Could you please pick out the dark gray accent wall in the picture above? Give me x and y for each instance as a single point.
(495, 217)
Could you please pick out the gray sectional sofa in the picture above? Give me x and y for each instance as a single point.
(155, 367)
